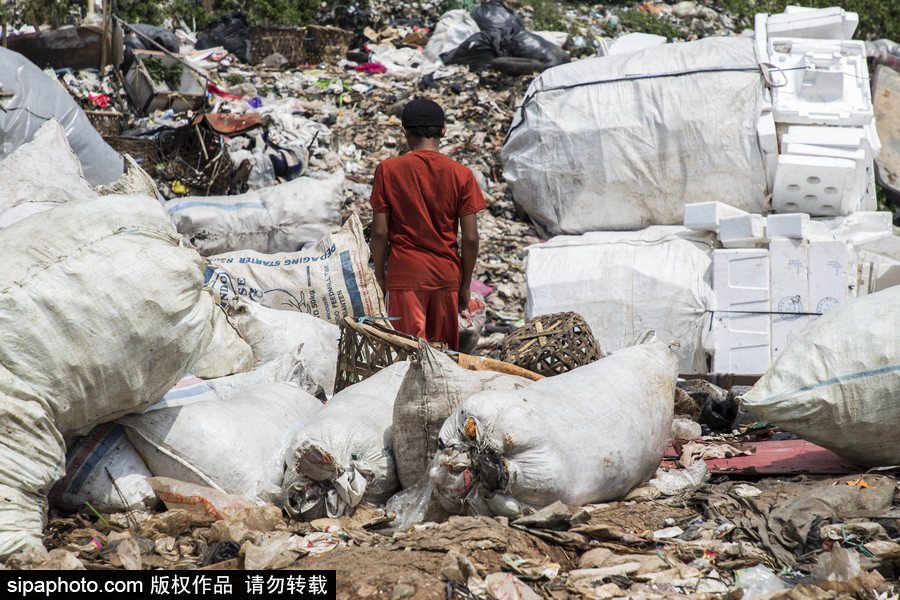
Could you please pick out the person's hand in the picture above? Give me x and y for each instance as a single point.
(463, 300)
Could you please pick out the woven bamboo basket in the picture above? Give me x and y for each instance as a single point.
(551, 344)
(367, 347)
(266, 40)
(323, 44)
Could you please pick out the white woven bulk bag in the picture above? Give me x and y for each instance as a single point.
(344, 454)
(434, 386)
(588, 435)
(271, 333)
(102, 312)
(235, 445)
(329, 281)
(837, 383)
(281, 218)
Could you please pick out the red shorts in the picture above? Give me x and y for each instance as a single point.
(429, 314)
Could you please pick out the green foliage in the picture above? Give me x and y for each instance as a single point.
(140, 11)
(648, 22)
(546, 16)
(160, 73)
(877, 18)
(234, 79)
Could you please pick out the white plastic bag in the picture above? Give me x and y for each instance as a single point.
(623, 142)
(434, 386)
(836, 383)
(236, 445)
(453, 28)
(344, 454)
(624, 283)
(280, 218)
(588, 435)
(271, 333)
(329, 281)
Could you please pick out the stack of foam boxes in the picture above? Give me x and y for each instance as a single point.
(776, 273)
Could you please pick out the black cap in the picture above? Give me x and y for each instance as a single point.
(422, 112)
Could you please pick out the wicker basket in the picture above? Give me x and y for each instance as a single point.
(551, 344)
(299, 45)
(368, 347)
(144, 149)
(107, 123)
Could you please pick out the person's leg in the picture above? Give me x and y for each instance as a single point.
(442, 317)
(408, 306)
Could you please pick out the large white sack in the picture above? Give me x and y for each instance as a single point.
(329, 281)
(623, 142)
(91, 461)
(344, 454)
(434, 387)
(37, 99)
(44, 171)
(271, 333)
(102, 312)
(625, 283)
(280, 218)
(837, 383)
(287, 368)
(588, 435)
(236, 445)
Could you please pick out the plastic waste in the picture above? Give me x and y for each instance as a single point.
(758, 581)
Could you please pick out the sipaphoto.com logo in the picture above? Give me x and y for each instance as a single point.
(68, 586)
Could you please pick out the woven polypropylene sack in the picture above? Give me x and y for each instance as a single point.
(589, 435)
(102, 312)
(433, 388)
(836, 384)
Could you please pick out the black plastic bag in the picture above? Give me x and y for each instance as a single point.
(528, 45)
(477, 51)
(229, 31)
(496, 17)
(160, 35)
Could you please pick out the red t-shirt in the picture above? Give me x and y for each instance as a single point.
(425, 193)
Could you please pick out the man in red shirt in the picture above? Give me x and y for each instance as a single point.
(421, 201)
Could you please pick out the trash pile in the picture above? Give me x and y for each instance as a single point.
(182, 321)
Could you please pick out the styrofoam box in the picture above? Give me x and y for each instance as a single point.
(789, 285)
(817, 185)
(827, 82)
(707, 215)
(850, 138)
(760, 36)
(818, 23)
(832, 274)
(741, 320)
(746, 231)
(788, 225)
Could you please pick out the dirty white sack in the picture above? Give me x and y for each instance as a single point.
(836, 383)
(623, 142)
(102, 312)
(588, 435)
(624, 283)
(344, 454)
(271, 333)
(43, 172)
(330, 280)
(453, 28)
(281, 218)
(235, 445)
(93, 463)
(434, 386)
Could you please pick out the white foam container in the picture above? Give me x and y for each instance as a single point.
(789, 286)
(827, 82)
(833, 274)
(820, 186)
(745, 231)
(740, 336)
(706, 216)
(818, 23)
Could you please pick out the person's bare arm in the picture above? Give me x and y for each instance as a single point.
(379, 244)
(469, 246)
